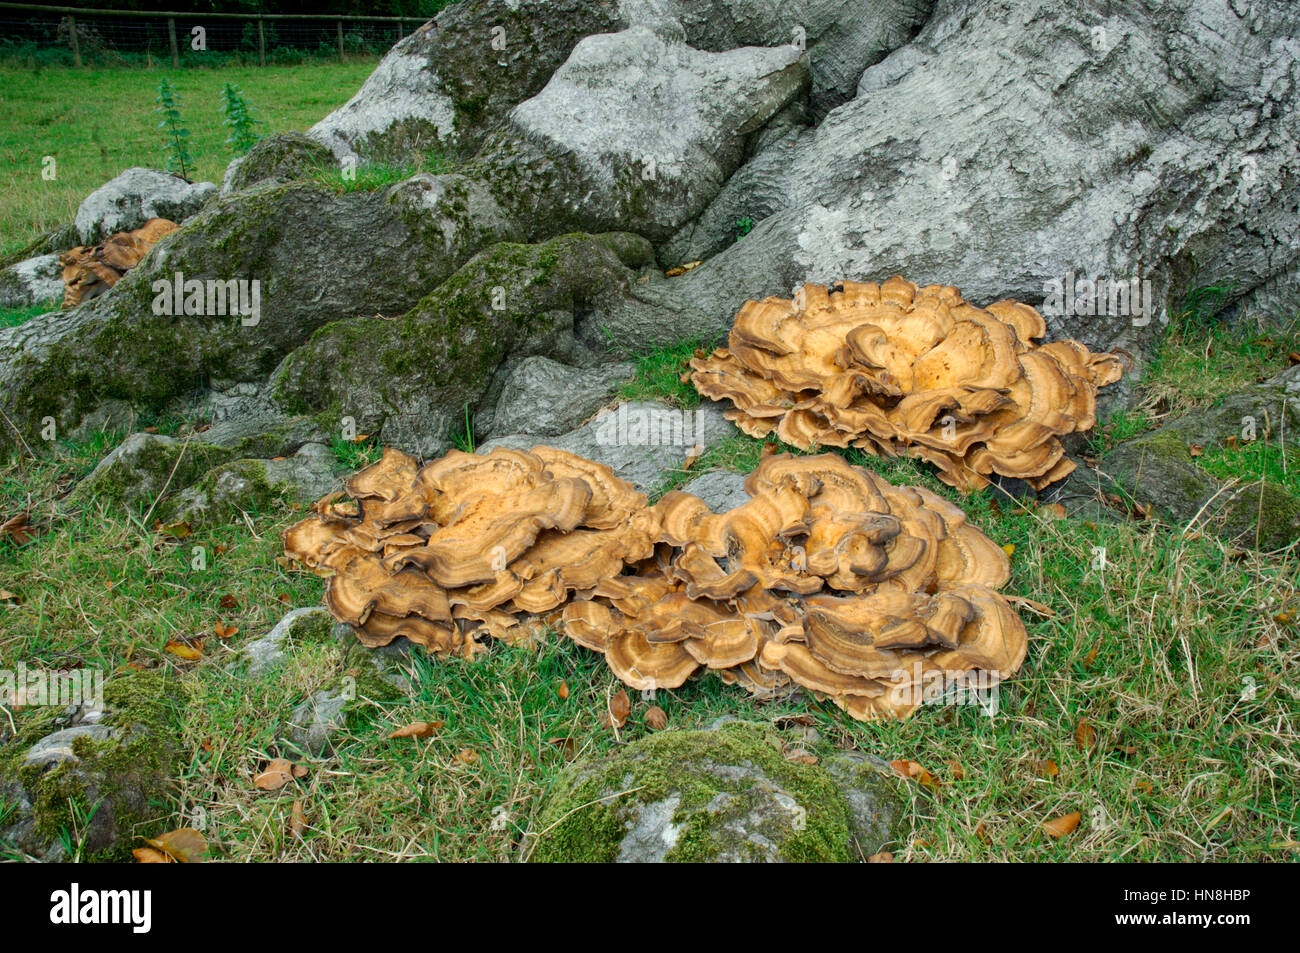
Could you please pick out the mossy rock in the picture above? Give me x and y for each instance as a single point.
(409, 380)
(722, 795)
(112, 789)
(284, 157)
(1159, 470)
(316, 256)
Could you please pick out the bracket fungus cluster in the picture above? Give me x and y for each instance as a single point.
(90, 271)
(895, 370)
(827, 578)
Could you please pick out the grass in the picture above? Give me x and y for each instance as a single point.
(659, 373)
(375, 176)
(1180, 655)
(12, 317)
(98, 122)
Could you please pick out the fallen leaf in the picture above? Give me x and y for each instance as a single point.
(1009, 548)
(147, 855)
(151, 429)
(1091, 656)
(566, 745)
(956, 770)
(1053, 511)
(277, 774)
(185, 845)
(982, 834)
(300, 771)
(18, 530)
(1046, 768)
(175, 530)
(188, 653)
(283, 598)
(563, 691)
(297, 819)
(656, 718)
(769, 448)
(7, 596)
(467, 756)
(220, 548)
(884, 857)
(1294, 357)
(1085, 736)
(224, 631)
(914, 772)
(674, 272)
(690, 461)
(1145, 786)
(617, 709)
(800, 756)
(417, 729)
(1196, 449)
(1065, 824)
(228, 602)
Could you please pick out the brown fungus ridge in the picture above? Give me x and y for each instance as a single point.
(470, 546)
(899, 370)
(827, 579)
(89, 271)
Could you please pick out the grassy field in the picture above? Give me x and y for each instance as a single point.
(97, 122)
(1178, 655)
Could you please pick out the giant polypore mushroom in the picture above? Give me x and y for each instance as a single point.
(828, 578)
(894, 369)
(90, 271)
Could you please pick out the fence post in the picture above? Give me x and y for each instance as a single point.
(72, 37)
(340, 41)
(261, 43)
(171, 36)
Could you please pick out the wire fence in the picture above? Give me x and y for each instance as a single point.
(70, 36)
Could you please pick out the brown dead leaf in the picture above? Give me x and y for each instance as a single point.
(297, 819)
(800, 755)
(1196, 449)
(18, 530)
(1085, 736)
(566, 745)
(7, 596)
(467, 756)
(184, 845)
(656, 718)
(1053, 511)
(617, 709)
(186, 653)
(982, 834)
(1294, 358)
(220, 548)
(957, 771)
(283, 598)
(417, 729)
(276, 775)
(224, 631)
(179, 530)
(914, 772)
(300, 771)
(884, 857)
(1046, 768)
(1038, 608)
(562, 691)
(228, 602)
(1145, 786)
(147, 855)
(1009, 549)
(1063, 825)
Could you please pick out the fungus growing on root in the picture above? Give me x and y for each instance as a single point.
(828, 578)
(469, 545)
(894, 370)
(89, 272)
